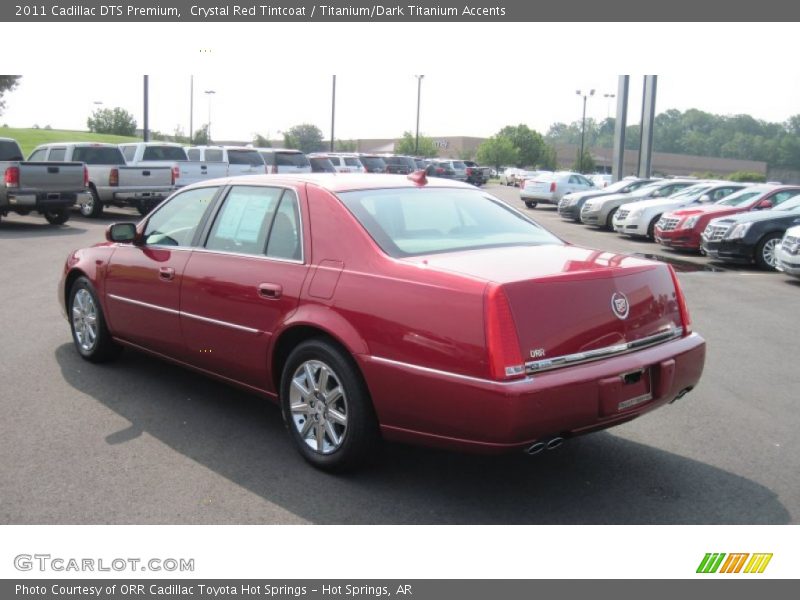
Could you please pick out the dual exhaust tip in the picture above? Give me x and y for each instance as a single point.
(537, 447)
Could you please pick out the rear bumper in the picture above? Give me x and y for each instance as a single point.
(544, 197)
(687, 239)
(126, 194)
(729, 251)
(25, 200)
(426, 406)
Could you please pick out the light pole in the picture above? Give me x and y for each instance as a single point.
(209, 93)
(333, 110)
(583, 125)
(608, 104)
(419, 90)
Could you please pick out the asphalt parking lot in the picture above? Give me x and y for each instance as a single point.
(140, 441)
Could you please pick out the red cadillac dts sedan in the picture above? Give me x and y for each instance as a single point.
(387, 306)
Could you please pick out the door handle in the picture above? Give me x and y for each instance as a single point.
(270, 291)
(166, 273)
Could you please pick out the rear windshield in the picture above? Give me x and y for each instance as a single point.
(103, 155)
(373, 162)
(321, 165)
(9, 151)
(245, 157)
(169, 153)
(412, 222)
(291, 159)
(352, 162)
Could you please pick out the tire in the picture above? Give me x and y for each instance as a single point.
(651, 228)
(145, 207)
(530, 204)
(88, 324)
(56, 216)
(92, 207)
(765, 251)
(610, 219)
(331, 443)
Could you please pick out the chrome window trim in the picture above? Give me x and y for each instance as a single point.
(568, 360)
(245, 255)
(181, 313)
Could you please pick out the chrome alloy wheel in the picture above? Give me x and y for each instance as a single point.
(768, 251)
(86, 204)
(318, 406)
(84, 320)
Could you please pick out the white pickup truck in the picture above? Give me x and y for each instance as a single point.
(45, 187)
(240, 160)
(186, 172)
(111, 181)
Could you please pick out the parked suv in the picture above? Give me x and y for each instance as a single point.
(343, 163)
(241, 160)
(401, 165)
(281, 160)
(321, 164)
(373, 163)
(751, 236)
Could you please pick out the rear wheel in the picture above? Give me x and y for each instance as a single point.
(87, 322)
(530, 204)
(145, 206)
(326, 407)
(56, 216)
(91, 206)
(765, 251)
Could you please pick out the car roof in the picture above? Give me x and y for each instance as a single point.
(82, 144)
(334, 182)
(292, 150)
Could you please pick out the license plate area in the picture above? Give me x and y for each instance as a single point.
(625, 392)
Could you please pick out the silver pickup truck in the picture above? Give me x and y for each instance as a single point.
(111, 181)
(48, 188)
(186, 172)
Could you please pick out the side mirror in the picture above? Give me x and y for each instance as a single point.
(763, 205)
(121, 232)
(704, 198)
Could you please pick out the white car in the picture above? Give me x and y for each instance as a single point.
(342, 162)
(600, 211)
(787, 254)
(550, 187)
(601, 180)
(639, 218)
(284, 160)
(509, 176)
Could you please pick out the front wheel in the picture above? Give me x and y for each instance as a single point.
(765, 251)
(651, 228)
(88, 324)
(610, 219)
(326, 407)
(56, 216)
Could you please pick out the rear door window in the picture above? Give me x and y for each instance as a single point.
(58, 154)
(38, 154)
(284, 236)
(213, 155)
(193, 154)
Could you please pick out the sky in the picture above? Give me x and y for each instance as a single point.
(477, 79)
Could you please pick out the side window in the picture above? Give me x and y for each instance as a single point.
(574, 179)
(585, 181)
(57, 154)
(129, 152)
(38, 154)
(284, 236)
(243, 223)
(194, 154)
(214, 155)
(175, 223)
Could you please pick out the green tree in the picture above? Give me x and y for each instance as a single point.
(497, 151)
(200, 137)
(549, 159)
(304, 137)
(7, 84)
(586, 165)
(345, 145)
(117, 121)
(529, 144)
(408, 145)
(259, 141)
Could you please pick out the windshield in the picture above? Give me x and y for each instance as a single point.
(291, 159)
(792, 205)
(619, 185)
(742, 197)
(245, 157)
(691, 191)
(411, 222)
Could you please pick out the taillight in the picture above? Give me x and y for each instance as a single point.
(439, 170)
(113, 177)
(553, 187)
(502, 343)
(11, 177)
(686, 319)
(176, 174)
(85, 176)
(469, 171)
